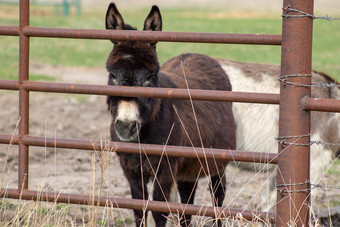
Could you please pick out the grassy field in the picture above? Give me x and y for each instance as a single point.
(93, 53)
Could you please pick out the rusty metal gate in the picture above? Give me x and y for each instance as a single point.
(295, 106)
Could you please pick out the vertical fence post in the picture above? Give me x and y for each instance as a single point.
(293, 163)
(78, 7)
(66, 8)
(23, 95)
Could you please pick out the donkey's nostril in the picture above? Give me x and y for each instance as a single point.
(119, 124)
(132, 126)
(126, 130)
(126, 125)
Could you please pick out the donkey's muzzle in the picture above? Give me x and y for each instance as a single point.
(127, 131)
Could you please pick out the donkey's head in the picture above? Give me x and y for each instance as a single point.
(132, 63)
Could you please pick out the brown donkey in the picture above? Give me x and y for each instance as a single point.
(171, 122)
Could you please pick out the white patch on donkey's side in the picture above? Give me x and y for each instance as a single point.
(256, 124)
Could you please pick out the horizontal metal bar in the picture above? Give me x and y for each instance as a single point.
(150, 149)
(167, 93)
(194, 37)
(10, 30)
(311, 104)
(176, 208)
(9, 84)
(326, 105)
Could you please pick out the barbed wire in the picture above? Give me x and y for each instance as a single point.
(282, 188)
(283, 80)
(304, 14)
(283, 140)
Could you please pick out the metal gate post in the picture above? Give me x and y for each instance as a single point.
(23, 95)
(293, 184)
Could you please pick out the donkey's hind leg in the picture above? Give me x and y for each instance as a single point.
(187, 193)
(218, 184)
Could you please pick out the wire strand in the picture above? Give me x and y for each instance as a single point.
(304, 14)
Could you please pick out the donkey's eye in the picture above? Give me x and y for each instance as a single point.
(113, 77)
(148, 77)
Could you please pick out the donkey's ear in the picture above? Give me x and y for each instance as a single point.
(153, 21)
(113, 18)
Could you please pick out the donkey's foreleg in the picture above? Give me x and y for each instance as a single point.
(137, 193)
(218, 184)
(187, 192)
(138, 187)
(162, 190)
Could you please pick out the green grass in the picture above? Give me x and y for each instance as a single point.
(93, 53)
(6, 204)
(335, 169)
(121, 222)
(41, 78)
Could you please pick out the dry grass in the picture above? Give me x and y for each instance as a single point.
(37, 213)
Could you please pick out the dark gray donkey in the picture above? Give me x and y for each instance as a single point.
(171, 122)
